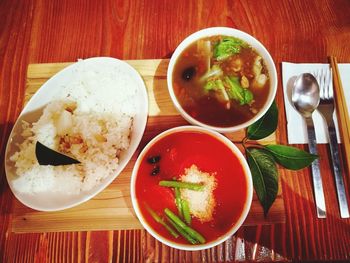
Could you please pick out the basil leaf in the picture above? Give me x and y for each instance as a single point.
(265, 126)
(291, 157)
(265, 176)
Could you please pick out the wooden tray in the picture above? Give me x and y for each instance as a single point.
(112, 208)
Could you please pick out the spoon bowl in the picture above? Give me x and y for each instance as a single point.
(306, 94)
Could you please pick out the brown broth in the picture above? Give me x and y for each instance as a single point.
(203, 106)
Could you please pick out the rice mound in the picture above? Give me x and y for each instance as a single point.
(92, 127)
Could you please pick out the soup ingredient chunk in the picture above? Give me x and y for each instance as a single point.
(188, 73)
(227, 47)
(177, 184)
(161, 221)
(153, 159)
(201, 203)
(190, 231)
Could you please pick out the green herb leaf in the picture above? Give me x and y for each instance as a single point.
(291, 157)
(227, 47)
(236, 92)
(265, 176)
(265, 126)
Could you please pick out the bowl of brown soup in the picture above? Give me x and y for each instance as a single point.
(222, 79)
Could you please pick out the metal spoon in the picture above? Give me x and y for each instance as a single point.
(305, 99)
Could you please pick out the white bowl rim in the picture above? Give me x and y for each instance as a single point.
(245, 167)
(211, 31)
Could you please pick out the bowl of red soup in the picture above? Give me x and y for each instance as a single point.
(221, 78)
(191, 188)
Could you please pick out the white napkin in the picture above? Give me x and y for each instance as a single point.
(296, 126)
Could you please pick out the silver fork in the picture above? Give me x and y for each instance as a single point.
(326, 108)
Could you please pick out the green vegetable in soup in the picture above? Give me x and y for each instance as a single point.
(160, 220)
(218, 87)
(227, 47)
(186, 211)
(214, 72)
(190, 231)
(182, 232)
(179, 184)
(178, 200)
(236, 92)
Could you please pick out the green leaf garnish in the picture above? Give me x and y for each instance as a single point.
(265, 176)
(291, 157)
(236, 92)
(227, 47)
(265, 126)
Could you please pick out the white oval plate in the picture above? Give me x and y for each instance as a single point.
(52, 201)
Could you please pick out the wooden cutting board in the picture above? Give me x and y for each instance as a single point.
(112, 209)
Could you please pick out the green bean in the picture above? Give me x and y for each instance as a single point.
(182, 232)
(178, 201)
(179, 184)
(186, 211)
(160, 220)
(193, 233)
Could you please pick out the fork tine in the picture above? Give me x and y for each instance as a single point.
(330, 84)
(324, 84)
(320, 80)
(316, 74)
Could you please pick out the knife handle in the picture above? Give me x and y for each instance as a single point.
(339, 182)
(316, 173)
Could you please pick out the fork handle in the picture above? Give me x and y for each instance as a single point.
(339, 182)
(316, 173)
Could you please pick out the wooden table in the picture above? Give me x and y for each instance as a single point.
(62, 31)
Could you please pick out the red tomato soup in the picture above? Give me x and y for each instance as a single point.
(177, 152)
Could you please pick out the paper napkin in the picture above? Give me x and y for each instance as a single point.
(296, 126)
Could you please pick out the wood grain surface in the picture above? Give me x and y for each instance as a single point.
(58, 31)
(112, 208)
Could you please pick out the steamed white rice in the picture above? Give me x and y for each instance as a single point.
(91, 121)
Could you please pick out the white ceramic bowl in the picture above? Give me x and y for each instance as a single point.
(226, 32)
(236, 152)
(54, 201)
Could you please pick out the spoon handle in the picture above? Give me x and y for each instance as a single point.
(315, 169)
